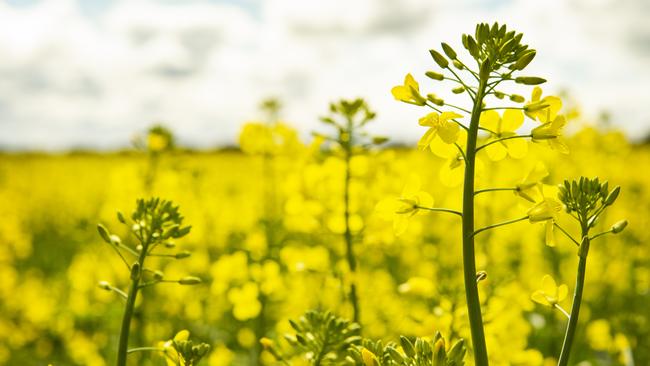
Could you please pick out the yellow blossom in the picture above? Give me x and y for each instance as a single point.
(550, 294)
(408, 204)
(439, 125)
(551, 132)
(542, 109)
(369, 358)
(526, 188)
(546, 211)
(409, 92)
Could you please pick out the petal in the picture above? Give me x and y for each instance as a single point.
(448, 132)
(400, 224)
(410, 82)
(550, 236)
(538, 297)
(430, 120)
(496, 151)
(183, 335)
(512, 120)
(549, 287)
(549, 113)
(536, 174)
(562, 292)
(559, 145)
(537, 93)
(425, 140)
(517, 148)
(451, 177)
(490, 120)
(412, 186)
(446, 116)
(401, 93)
(442, 149)
(424, 199)
(386, 208)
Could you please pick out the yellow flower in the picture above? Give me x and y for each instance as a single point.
(399, 210)
(542, 109)
(245, 302)
(546, 211)
(369, 358)
(501, 127)
(172, 356)
(409, 92)
(439, 125)
(526, 188)
(551, 132)
(550, 293)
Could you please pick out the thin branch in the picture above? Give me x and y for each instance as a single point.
(557, 306)
(437, 209)
(499, 225)
(502, 139)
(494, 190)
(566, 233)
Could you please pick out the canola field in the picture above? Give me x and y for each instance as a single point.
(268, 240)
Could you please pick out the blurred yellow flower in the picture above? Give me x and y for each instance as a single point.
(546, 211)
(526, 188)
(550, 294)
(245, 302)
(399, 210)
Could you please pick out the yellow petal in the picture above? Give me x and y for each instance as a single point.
(550, 236)
(426, 139)
(429, 120)
(517, 148)
(496, 151)
(400, 224)
(562, 292)
(446, 116)
(490, 120)
(412, 186)
(537, 93)
(442, 149)
(424, 199)
(549, 287)
(386, 208)
(183, 335)
(448, 132)
(410, 82)
(401, 93)
(512, 120)
(538, 297)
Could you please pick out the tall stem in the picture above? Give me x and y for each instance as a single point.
(128, 313)
(352, 262)
(469, 262)
(577, 300)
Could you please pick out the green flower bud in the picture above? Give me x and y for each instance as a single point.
(158, 275)
(458, 90)
(105, 286)
(378, 140)
(135, 271)
(524, 60)
(435, 100)
(517, 98)
(499, 95)
(619, 226)
(183, 254)
(484, 72)
(120, 217)
(458, 64)
(529, 80)
(190, 280)
(448, 51)
(103, 232)
(613, 195)
(407, 346)
(434, 75)
(115, 240)
(439, 59)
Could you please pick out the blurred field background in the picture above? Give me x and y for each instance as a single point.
(267, 238)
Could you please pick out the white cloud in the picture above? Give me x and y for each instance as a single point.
(68, 79)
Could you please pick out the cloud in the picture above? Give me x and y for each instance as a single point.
(94, 75)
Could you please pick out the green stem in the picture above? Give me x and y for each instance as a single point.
(577, 300)
(437, 209)
(128, 314)
(469, 261)
(502, 139)
(145, 349)
(566, 233)
(499, 224)
(494, 190)
(352, 262)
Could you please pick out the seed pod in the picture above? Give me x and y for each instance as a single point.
(449, 51)
(434, 75)
(529, 80)
(439, 59)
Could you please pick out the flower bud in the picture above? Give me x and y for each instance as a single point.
(435, 100)
(434, 75)
(135, 271)
(158, 275)
(499, 95)
(524, 60)
(517, 98)
(458, 64)
(105, 286)
(439, 59)
(103, 232)
(529, 80)
(183, 254)
(458, 90)
(120, 217)
(613, 195)
(619, 226)
(115, 240)
(449, 51)
(190, 280)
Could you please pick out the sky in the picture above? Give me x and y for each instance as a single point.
(94, 73)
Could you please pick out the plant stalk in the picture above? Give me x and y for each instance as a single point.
(122, 349)
(577, 300)
(352, 262)
(469, 261)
